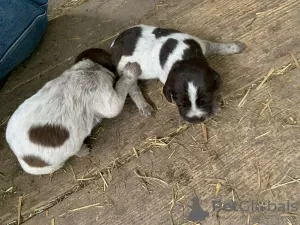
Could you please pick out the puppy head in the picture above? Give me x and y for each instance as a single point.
(99, 56)
(192, 85)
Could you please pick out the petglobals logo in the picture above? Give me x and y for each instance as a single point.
(253, 206)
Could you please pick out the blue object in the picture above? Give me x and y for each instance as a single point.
(22, 25)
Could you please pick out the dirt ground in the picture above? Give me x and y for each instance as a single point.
(148, 170)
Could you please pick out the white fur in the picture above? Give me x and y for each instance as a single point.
(194, 110)
(147, 52)
(77, 100)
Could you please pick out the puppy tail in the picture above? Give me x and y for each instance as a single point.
(99, 56)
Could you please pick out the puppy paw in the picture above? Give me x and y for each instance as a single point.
(132, 70)
(237, 47)
(146, 110)
(84, 151)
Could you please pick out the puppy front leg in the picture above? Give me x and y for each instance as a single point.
(137, 97)
(222, 48)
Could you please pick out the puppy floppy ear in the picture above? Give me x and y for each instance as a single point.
(213, 80)
(217, 80)
(167, 92)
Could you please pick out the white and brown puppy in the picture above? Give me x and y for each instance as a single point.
(177, 60)
(51, 126)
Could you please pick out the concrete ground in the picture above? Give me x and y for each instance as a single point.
(148, 170)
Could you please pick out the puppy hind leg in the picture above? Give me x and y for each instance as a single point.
(129, 77)
(137, 97)
(215, 48)
(116, 102)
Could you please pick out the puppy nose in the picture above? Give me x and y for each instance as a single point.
(195, 120)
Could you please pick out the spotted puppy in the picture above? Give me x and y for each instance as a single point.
(177, 60)
(51, 126)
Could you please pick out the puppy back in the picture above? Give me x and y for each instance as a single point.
(99, 56)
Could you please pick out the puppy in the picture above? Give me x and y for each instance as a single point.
(177, 60)
(51, 126)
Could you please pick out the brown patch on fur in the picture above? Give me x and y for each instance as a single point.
(99, 56)
(34, 161)
(48, 135)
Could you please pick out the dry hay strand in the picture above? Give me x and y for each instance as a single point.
(242, 102)
(86, 178)
(144, 177)
(105, 184)
(265, 78)
(289, 214)
(258, 178)
(213, 180)
(175, 194)
(135, 152)
(110, 37)
(288, 220)
(172, 154)
(19, 209)
(86, 207)
(4, 121)
(158, 142)
(248, 220)
(267, 105)
(204, 130)
(164, 141)
(279, 184)
(7, 190)
(272, 72)
(295, 60)
(74, 175)
(218, 187)
(262, 135)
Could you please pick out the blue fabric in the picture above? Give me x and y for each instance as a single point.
(22, 25)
